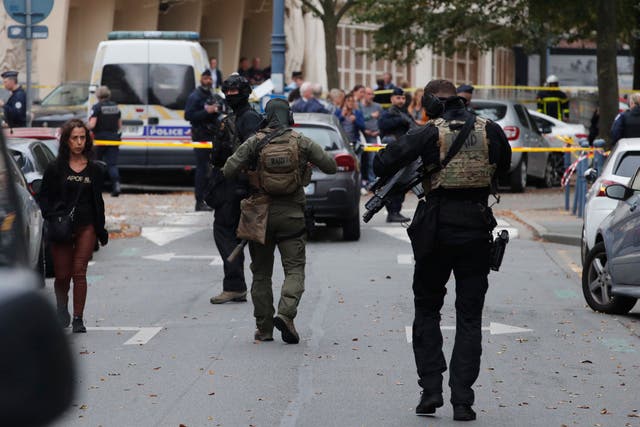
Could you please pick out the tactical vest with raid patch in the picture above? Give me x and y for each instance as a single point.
(470, 167)
(278, 165)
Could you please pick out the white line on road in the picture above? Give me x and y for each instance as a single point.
(163, 235)
(493, 328)
(405, 259)
(215, 259)
(142, 336)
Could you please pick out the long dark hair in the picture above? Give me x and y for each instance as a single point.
(64, 153)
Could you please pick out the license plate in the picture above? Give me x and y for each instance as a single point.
(310, 189)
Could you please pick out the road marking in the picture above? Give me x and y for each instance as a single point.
(215, 259)
(142, 336)
(186, 218)
(163, 235)
(618, 345)
(567, 259)
(493, 328)
(405, 259)
(565, 293)
(129, 252)
(94, 278)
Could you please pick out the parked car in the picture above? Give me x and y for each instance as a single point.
(38, 376)
(333, 199)
(611, 271)
(32, 157)
(32, 221)
(67, 101)
(521, 131)
(619, 167)
(552, 127)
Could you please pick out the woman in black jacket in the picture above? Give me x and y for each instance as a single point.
(73, 180)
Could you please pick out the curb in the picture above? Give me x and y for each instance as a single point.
(541, 232)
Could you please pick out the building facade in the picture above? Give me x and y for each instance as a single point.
(230, 30)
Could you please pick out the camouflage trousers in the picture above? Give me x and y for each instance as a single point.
(285, 228)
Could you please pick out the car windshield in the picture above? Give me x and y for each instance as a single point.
(628, 164)
(490, 110)
(67, 95)
(328, 138)
(8, 226)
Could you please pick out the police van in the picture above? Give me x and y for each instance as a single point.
(150, 75)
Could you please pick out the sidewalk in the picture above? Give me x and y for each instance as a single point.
(552, 225)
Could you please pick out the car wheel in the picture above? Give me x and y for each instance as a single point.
(596, 284)
(41, 266)
(518, 178)
(351, 228)
(549, 178)
(557, 160)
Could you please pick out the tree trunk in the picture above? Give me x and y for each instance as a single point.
(330, 24)
(635, 46)
(607, 67)
(542, 51)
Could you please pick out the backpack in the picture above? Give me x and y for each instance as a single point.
(279, 164)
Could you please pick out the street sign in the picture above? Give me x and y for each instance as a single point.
(20, 32)
(17, 9)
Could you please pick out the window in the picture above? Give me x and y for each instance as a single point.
(170, 85)
(489, 110)
(40, 157)
(328, 138)
(522, 115)
(8, 220)
(628, 165)
(127, 82)
(67, 95)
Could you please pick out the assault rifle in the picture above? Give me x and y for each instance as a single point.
(408, 178)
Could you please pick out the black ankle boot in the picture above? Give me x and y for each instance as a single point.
(429, 403)
(463, 413)
(78, 325)
(63, 316)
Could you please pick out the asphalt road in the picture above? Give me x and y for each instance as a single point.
(548, 360)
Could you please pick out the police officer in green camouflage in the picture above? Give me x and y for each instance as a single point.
(272, 151)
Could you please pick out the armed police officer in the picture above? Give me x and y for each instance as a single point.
(202, 115)
(15, 109)
(242, 123)
(460, 241)
(106, 124)
(280, 157)
(393, 123)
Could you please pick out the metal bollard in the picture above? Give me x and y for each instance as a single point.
(567, 188)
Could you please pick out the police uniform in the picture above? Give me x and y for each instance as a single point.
(107, 128)
(285, 229)
(200, 119)
(393, 123)
(238, 126)
(462, 244)
(15, 109)
(627, 125)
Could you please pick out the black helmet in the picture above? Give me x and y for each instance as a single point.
(236, 81)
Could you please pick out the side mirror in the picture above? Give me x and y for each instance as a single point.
(35, 359)
(545, 130)
(618, 192)
(591, 175)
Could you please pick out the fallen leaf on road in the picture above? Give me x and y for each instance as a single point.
(583, 407)
(586, 361)
(212, 393)
(84, 407)
(211, 372)
(153, 395)
(155, 369)
(604, 411)
(354, 339)
(633, 415)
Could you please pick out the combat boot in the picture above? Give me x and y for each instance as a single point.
(288, 329)
(115, 189)
(262, 336)
(429, 403)
(201, 206)
(463, 413)
(227, 296)
(397, 217)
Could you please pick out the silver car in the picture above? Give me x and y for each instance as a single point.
(521, 131)
(333, 199)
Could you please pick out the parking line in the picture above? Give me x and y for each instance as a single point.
(142, 336)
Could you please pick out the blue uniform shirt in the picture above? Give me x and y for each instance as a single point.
(15, 109)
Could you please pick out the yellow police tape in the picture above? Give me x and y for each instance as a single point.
(369, 148)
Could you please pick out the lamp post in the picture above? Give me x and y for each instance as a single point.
(278, 47)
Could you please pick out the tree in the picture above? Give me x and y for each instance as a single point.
(607, 67)
(330, 13)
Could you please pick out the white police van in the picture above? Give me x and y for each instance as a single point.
(150, 75)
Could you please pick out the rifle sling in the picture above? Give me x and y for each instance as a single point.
(459, 141)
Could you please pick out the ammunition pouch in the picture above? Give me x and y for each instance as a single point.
(423, 228)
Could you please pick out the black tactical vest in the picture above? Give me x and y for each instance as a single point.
(107, 114)
(631, 128)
